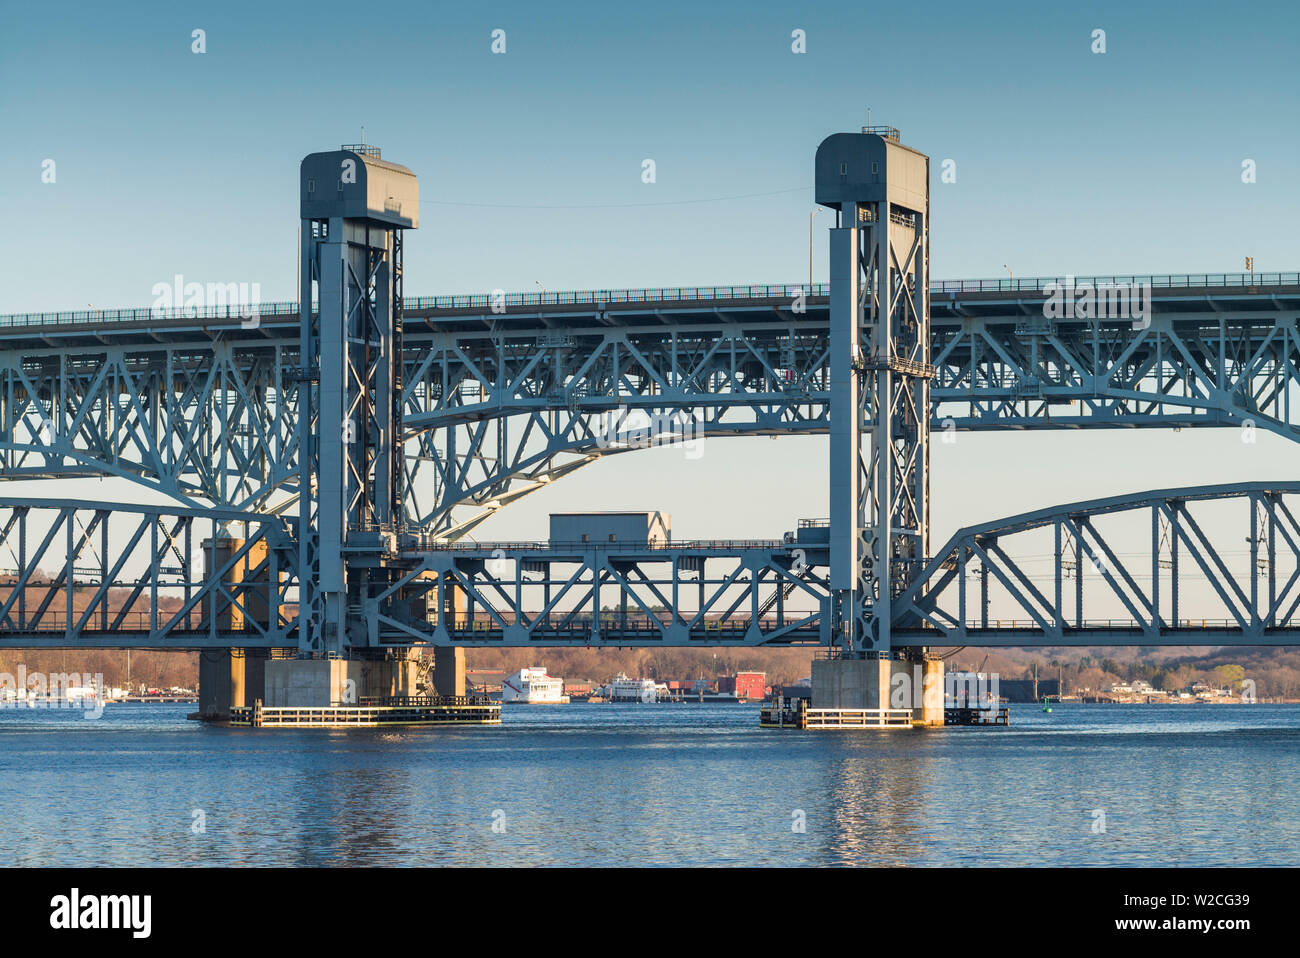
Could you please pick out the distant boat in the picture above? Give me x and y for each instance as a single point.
(533, 687)
(623, 689)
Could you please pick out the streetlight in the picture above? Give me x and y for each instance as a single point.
(815, 211)
(1010, 274)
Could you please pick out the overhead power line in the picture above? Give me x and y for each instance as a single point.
(615, 206)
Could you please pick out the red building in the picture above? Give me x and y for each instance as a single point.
(746, 685)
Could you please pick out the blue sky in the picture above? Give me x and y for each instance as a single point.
(1067, 161)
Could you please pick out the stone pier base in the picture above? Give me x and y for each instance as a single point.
(237, 678)
(881, 683)
(317, 683)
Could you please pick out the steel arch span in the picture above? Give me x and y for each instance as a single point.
(499, 406)
(1119, 571)
(207, 410)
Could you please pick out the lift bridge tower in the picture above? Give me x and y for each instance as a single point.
(880, 376)
(355, 207)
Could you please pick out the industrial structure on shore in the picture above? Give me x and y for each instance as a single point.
(326, 459)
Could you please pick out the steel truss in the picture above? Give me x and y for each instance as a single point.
(880, 378)
(161, 577)
(1099, 591)
(496, 406)
(492, 406)
(689, 594)
(493, 415)
(1202, 368)
(101, 575)
(349, 474)
(209, 419)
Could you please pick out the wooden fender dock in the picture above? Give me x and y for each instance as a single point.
(797, 714)
(410, 710)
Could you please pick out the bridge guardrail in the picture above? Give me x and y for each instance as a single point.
(975, 625)
(437, 545)
(650, 295)
(58, 621)
(611, 622)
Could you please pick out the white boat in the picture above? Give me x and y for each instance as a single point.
(623, 689)
(533, 687)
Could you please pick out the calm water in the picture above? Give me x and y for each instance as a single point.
(656, 785)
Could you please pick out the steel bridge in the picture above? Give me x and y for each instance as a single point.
(325, 467)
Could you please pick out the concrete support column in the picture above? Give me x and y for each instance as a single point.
(917, 683)
(249, 605)
(229, 678)
(319, 683)
(449, 671)
(881, 683)
(851, 683)
(389, 677)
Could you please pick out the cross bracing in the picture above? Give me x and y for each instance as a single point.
(496, 406)
(74, 573)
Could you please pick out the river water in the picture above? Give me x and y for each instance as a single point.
(679, 784)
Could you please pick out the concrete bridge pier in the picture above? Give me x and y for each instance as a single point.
(236, 678)
(905, 679)
(321, 683)
(449, 671)
(229, 678)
